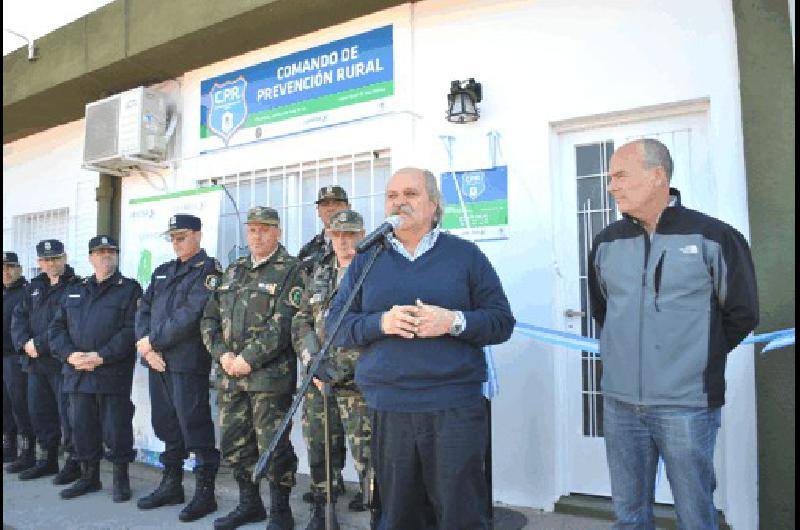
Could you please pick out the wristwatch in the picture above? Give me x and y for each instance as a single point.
(459, 323)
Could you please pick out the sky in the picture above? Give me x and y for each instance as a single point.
(35, 18)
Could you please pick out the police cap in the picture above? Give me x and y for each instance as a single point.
(101, 241)
(50, 248)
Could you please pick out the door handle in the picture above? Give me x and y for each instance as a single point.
(571, 313)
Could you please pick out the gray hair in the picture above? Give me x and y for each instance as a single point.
(432, 189)
(656, 154)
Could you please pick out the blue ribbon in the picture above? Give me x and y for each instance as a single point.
(774, 339)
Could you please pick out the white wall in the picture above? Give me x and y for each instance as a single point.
(43, 172)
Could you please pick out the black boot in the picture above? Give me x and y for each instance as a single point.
(122, 483)
(43, 467)
(203, 502)
(69, 473)
(249, 510)
(280, 512)
(89, 481)
(169, 492)
(9, 447)
(27, 455)
(339, 489)
(317, 521)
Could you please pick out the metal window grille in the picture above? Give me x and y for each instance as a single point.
(292, 191)
(596, 210)
(31, 228)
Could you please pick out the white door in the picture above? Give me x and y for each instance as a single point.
(583, 208)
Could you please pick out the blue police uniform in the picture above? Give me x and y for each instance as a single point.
(16, 419)
(99, 317)
(47, 405)
(169, 315)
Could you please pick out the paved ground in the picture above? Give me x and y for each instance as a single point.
(35, 504)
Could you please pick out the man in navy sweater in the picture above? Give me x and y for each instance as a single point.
(427, 308)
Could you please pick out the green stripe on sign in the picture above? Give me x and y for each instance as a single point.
(311, 106)
(176, 194)
(488, 213)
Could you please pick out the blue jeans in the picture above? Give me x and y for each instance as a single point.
(684, 437)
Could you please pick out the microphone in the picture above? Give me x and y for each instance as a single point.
(386, 228)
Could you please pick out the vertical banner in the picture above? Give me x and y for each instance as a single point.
(145, 249)
(341, 81)
(482, 196)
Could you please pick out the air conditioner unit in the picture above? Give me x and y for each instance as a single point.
(126, 131)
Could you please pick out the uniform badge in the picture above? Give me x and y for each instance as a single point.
(295, 295)
(212, 282)
(35, 292)
(47, 245)
(270, 287)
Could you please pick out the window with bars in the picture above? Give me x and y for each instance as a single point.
(596, 210)
(292, 191)
(31, 228)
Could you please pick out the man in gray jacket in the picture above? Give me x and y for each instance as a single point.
(673, 291)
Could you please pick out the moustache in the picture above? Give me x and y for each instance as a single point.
(406, 209)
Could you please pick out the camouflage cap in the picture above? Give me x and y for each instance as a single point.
(263, 215)
(346, 221)
(333, 193)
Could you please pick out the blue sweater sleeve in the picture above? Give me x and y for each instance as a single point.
(490, 321)
(358, 329)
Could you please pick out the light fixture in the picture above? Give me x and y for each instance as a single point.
(33, 52)
(462, 101)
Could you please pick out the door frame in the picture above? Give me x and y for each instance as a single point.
(565, 222)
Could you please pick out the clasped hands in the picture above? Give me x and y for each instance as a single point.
(86, 361)
(234, 365)
(420, 320)
(153, 358)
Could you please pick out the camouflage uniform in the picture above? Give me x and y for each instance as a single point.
(250, 315)
(308, 333)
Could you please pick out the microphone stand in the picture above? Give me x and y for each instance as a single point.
(266, 457)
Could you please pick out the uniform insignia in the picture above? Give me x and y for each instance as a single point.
(295, 295)
(270, 287)
(160, 276)
(105, 240)
(212, 282)
(47, 245)
(35, 292)
(74, 296)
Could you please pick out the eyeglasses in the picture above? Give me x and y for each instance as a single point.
(177, 238)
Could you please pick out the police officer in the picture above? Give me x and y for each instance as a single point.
(168, 333)
(338, 369)
(330, 199)
(93, 334)
(47, 405)
(246, 327)
(16, 419)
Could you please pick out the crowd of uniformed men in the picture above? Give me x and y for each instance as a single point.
(70, 344)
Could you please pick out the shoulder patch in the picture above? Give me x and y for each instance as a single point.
(295, 295)
(212, 282)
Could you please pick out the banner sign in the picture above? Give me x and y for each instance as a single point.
(145, 249)
(481, 196)
(313, 88)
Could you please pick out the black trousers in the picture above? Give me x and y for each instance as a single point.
(16, 419)
(430, 469)
(49, 411)
(102, 419)
(181, 417)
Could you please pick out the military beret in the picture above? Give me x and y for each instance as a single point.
(50, 248)
(263, 215)
(334, 193)
(10, 258)
(183, 221)
(346, 221)
(101, 241)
